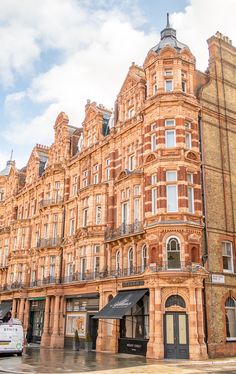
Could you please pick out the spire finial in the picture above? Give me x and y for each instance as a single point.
(11, 155)
(168, 21)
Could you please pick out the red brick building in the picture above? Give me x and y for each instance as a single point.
(110, 218)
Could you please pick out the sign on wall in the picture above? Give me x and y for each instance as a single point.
(217, 278)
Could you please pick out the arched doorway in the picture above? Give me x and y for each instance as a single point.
(176, 336)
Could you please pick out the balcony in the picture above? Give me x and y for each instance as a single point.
(13, 286)
(124, 230)
(49, 242)
(47, 202)
(45, 281)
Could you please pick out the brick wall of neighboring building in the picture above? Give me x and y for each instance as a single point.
(218, 111)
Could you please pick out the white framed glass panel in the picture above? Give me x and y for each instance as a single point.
(171, 176)
(172, 198)
(169, 85)
(170, 138)
(153, 142)
(154, 201)
(190, 199)
(227, 254)
(169, 122)
(188, 140)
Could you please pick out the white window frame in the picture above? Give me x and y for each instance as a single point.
(170, 122)
(98, 218)
(230, 256)
(85, 215)
(166, 83)
(166, 138)
(168, 197)
(191, 200)
(154, 200)
(171, 176)
(188, 140)
(153, 142)
(131, 162)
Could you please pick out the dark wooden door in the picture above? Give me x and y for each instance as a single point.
(176, 339)
(93, 330)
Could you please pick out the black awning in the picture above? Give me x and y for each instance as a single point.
(5, 307)
(121, 303)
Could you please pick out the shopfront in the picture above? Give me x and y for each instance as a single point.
(79, 312)
(131, 308)
(5, 310)
(36, 320)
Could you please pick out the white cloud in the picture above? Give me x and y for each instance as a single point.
(200, 20)
(95, 70)
(95, 47)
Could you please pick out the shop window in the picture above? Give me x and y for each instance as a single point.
(230, 315)
(175, 300)
(173, 254)
(135, 323)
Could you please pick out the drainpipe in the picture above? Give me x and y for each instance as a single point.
(205, 254)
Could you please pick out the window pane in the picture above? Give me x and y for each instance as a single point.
(172, 203)
(190, 200)
(182, 329)
(169, 329)
(231, 323)
(171, 176)
(170, 139)
(169, 84)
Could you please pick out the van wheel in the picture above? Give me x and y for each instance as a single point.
(19, 354)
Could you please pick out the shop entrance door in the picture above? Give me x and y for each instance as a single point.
(36, 319)
(93, 330)
(176, 340)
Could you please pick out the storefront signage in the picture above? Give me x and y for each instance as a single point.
(133, 284)
(136, 347)
(217, 278)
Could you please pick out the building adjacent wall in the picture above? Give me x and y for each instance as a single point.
(218, 110)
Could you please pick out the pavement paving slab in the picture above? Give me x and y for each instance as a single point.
(59, 361)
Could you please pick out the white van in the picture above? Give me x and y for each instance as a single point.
(11, 337)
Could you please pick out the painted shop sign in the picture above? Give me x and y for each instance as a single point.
(217, 278)
(133, 284)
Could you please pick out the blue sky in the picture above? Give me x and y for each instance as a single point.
(56, 54)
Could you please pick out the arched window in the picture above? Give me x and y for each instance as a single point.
(144, 257)
(130, 261)
(118, 261)
(175, 300)
(230, 315)
(173, 254)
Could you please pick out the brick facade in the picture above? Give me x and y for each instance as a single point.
(98, 208)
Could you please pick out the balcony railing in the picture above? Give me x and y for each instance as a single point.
(44, 281)
(89, 276)
(49, 242)
(123, 230)
(46, 202)
(13, 286)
